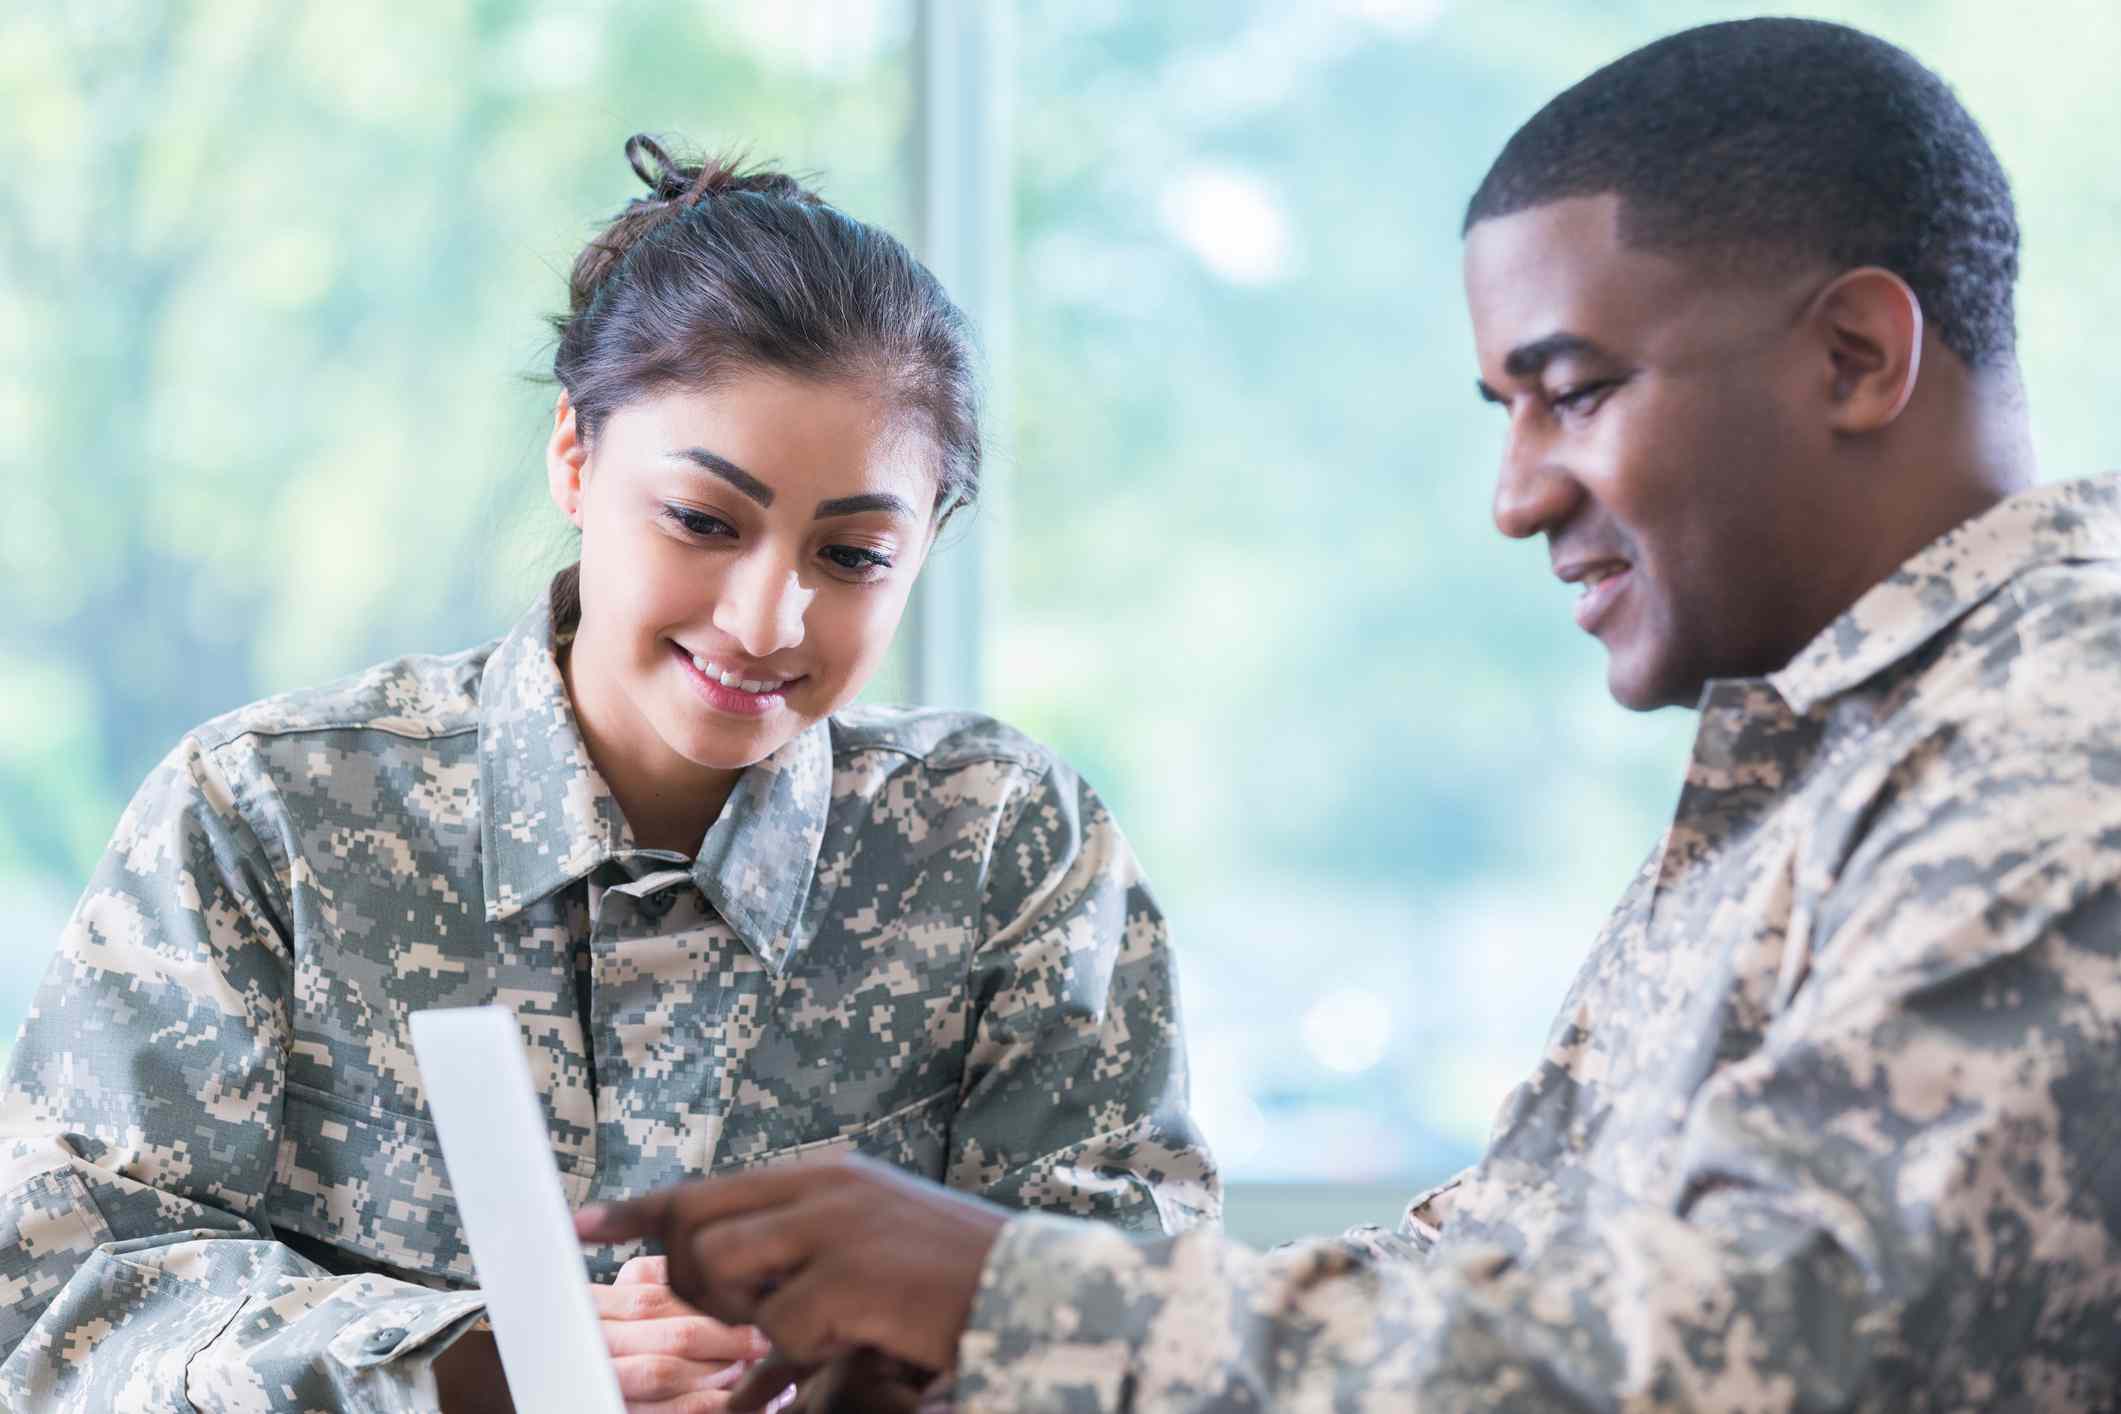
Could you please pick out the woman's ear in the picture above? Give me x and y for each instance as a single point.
(1871, 325)
(566, 461)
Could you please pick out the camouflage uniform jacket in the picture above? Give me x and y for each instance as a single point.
(1830, 1119)
(911, 933)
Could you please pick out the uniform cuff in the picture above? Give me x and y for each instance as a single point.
(405, 1324)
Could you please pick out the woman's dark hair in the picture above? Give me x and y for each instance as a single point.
(722, 270)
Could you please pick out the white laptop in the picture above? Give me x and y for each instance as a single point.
(515, 1216)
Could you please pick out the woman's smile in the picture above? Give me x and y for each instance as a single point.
(728, 692)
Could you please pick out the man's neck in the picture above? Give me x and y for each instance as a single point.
(1965, 447)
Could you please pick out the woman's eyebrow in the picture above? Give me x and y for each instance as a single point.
(729, 471)
(855, 505)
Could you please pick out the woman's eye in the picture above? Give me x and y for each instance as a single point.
(857, 561)
(694, 522)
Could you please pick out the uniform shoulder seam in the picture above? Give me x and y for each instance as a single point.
(946, 741)
(236, 732)
(944, 760)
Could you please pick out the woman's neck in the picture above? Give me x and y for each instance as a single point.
(669, 802)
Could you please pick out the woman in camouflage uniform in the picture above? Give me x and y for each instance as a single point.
(739, 920)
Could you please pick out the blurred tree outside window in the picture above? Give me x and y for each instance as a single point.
(273, 282)
(1250, 583)
(271, 289)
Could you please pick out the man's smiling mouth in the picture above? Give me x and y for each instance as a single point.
(1600, 581)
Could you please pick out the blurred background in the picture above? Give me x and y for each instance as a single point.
(272, 287)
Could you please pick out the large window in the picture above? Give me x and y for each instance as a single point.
(272, 284)
(1251, 585)
(271, 280)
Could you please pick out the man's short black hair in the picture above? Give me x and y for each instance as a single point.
(1780, 141)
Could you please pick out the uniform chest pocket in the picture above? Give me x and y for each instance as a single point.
(914, 1137)
(369, 1181)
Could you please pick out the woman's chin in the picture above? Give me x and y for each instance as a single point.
(733, 747)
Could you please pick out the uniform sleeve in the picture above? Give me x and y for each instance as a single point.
(1074, 1092)
(1904, 1199)
(139, 1123)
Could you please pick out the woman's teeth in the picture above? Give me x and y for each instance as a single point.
(728, 679)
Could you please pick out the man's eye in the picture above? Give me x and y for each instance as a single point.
(1580, 398)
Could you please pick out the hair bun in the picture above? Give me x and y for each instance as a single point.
(674, 185)
(717, 271)
(683, 183)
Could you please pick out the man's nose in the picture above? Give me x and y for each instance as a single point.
(1533, 494)
(762, 605)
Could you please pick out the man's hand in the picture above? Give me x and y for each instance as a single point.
(670, 1358)
(824, 1257)
(864, 1381)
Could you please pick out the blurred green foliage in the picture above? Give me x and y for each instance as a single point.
(1252, 585)
(272, 279)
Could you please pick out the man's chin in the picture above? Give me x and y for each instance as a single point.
(1643, 686)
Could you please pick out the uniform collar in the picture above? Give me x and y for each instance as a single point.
(2070, 520)
(549, 819)
(760, 855)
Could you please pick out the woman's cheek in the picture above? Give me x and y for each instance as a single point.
(672, 589)
(850, 640)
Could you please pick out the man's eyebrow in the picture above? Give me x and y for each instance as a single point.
(729, 471)
(1529, 360)
(855, 505)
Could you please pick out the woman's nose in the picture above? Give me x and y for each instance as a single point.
(762, 606)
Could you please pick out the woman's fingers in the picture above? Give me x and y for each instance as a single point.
(684, 1338)
(903, 1256)
(651, 1377)
(669, 1358)
(661, 1323)
(650, 1271)
(637, 1302)
(711, 1401)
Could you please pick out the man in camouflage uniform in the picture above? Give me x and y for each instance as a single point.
(911, 934)
(1826, 1119)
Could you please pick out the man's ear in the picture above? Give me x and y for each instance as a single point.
(566, 461)
(1870, 326)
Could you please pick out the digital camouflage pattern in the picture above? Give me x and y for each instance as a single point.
(911, 933)
(1830, 1118)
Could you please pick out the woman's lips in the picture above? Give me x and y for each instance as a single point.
(732, 701)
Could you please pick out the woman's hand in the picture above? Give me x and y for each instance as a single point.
(826, 1256)
(670, 1358)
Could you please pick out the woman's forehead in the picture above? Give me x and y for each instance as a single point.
(783, 433)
